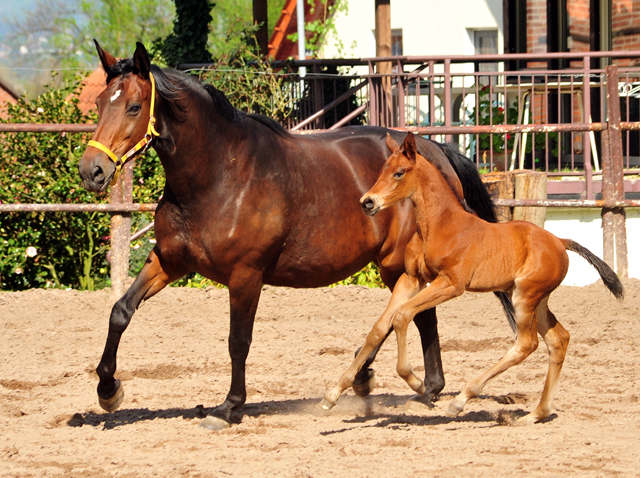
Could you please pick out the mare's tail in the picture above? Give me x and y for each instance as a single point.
(607, 274)
(478, 199)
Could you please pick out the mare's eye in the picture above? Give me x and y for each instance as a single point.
(134, 109)
(398, 174)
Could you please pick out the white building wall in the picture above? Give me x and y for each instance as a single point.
(429, 27)
(585, 227)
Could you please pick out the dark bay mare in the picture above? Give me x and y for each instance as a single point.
(246, 204)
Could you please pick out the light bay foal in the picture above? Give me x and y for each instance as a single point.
(453, 251)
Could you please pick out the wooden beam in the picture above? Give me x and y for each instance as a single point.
(383, 48)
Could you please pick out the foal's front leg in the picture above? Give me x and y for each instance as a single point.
(406, 287)
(440, 290)
(153, 277)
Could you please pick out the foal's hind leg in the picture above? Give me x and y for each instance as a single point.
(526, 342)
(557, 339)
(406, 287)
(152, 279)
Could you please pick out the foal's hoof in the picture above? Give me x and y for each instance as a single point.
(112, 404)
(214, 423)
(454, 409)
(326, 404)
(364, 388)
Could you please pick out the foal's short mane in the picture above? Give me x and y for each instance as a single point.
(171, 85)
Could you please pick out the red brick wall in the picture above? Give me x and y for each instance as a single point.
(625, 18)
(536, 29)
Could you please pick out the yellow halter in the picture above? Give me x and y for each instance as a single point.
(141, 146)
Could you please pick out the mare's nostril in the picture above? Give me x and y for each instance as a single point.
(98, 174)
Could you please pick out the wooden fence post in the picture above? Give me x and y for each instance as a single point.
(121, 193)
(530, 185)
(613, 218)
(500, 186)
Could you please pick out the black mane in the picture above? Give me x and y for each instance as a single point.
(171, 85)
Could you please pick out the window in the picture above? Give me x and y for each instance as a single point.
(485, 42)
(396, 42)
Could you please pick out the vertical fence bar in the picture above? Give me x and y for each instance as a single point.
(121, 193)
(613, 218)
(401, 85)
(586, 115)
(447, 98)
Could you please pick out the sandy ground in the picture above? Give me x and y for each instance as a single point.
(174, 365)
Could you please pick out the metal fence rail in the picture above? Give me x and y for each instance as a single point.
(434, 99)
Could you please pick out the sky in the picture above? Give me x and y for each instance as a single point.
(10, 9)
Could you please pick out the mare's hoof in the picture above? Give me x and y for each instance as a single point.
(326, 404)
(419, 403)
(214, 423)
(364, 388)
(112, 404)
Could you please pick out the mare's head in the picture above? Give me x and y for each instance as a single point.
(124, 118)
(397, 179)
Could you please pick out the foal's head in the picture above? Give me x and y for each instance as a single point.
(397, 179)
(124, 113)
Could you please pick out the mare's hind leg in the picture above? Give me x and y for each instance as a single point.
(153, 277)
(406, 287)
(245, 286)
(556, 338)
(526, 342)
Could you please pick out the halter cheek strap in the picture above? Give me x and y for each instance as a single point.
(141, 146)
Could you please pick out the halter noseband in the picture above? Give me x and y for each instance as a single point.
(140, 147)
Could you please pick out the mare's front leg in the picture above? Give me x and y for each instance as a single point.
(153, 277)
(244, 293)
(406, 287)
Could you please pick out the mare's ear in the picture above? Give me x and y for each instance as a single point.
(106, 58)
(391, 144)
(409, 147)
(141, 62)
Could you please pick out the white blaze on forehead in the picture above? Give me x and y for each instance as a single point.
(115, 95)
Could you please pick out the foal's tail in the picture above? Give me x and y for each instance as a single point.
(608, 276)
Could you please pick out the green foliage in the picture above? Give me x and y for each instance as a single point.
(323, 26)
(118, 24)
(247, 79)
(188, 42)
(48, 249)
(369, 276)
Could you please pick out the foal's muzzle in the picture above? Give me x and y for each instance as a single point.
(369, 206)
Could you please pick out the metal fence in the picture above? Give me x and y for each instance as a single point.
(580, 122)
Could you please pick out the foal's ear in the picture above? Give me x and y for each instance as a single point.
(409, 147)
(106, 58)
(141, 62)
(391, 144)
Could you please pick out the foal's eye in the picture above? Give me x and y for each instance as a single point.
(134, 109)
(398, 174)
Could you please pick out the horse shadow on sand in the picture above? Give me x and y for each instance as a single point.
(378, 410)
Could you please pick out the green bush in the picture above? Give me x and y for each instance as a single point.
(48, 249)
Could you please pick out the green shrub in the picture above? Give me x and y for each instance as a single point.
(48, 249)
